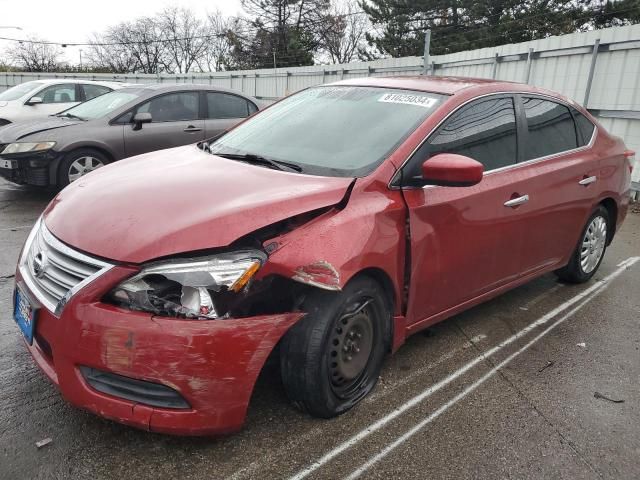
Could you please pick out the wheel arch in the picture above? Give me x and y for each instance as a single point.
(612, 208)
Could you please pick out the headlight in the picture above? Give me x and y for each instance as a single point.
(188, 288)
(24, 147)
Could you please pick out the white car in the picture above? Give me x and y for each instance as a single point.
(41, 98)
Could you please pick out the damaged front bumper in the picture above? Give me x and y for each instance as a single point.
(187, 377)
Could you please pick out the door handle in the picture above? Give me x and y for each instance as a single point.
(191, 128)
(514, 202)
(587, 180)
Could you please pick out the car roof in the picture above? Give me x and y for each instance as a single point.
(436, 84)
(49, 81)
(178, 87)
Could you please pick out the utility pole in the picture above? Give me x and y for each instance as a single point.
(275, 71)
(427, 42)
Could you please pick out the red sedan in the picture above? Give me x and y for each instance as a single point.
(333, 224)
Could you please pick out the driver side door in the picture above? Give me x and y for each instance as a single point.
(465, 242)
(55, 99)
(175, 121)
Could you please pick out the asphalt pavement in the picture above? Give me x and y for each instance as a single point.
(542, 382)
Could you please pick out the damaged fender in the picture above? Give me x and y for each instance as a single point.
(368, 233)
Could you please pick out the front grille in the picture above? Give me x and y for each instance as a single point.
(139, 391)
(55, 272)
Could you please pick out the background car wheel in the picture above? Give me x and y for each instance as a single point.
(78, 163)
(331, 359)
(589, 253)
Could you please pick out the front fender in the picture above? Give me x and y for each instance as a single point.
(329, 250)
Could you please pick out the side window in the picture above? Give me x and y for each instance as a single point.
(224, 105)
(484, 130)
(585, 128)
(172, 107)
(93, 91)
(551, 128)
(58, 94)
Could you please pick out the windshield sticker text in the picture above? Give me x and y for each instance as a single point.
(408, 99)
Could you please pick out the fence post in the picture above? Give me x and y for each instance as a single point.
(427, 44)
(592, 68)
(494, 72)
(529, 61)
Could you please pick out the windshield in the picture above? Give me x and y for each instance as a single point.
(14, 93)
(334, 130)
(101, 106)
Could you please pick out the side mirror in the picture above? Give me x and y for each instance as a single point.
(451, 170)
(34, 101)
(140, 118)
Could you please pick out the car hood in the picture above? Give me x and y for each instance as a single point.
(180, 200)
(17, 131)
(4, 103)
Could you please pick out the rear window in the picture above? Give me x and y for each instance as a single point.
(551, 128)
(585, 128)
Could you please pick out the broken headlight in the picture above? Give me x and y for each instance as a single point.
(189, 288)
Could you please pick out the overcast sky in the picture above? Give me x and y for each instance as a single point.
(74, 20)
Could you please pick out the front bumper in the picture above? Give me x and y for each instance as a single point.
(212, 364)
(39, 169)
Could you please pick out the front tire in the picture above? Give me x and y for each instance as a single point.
(331, 359)
(78, 163)
(588, 255)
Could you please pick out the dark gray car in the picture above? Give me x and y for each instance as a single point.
(127, 122)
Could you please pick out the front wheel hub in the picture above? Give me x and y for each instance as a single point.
(351, 348)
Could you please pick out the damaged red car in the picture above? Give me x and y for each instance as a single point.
(332, 224)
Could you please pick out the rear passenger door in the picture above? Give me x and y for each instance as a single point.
(176, 121)
(224, 110)
(560, 172)
(464, 241)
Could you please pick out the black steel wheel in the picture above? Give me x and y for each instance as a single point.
(331, 359)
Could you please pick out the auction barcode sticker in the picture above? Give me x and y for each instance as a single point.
(408, 99)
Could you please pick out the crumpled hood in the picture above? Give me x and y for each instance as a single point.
(17, 131)
(180, 200)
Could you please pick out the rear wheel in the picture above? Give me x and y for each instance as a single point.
(331, 359)
(589, 253)
(78, 163)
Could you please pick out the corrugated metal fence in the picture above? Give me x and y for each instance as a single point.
(600, 69)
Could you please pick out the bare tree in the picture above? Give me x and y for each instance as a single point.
(187, 38)
(343, 33)
(216, 56)
(110, 57)
(32, 56)
(136, 46)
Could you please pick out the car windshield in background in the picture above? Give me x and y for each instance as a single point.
(14, 93)
(102, 105)
(335, 131)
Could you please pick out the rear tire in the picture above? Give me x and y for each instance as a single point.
(331, 359)
(78, 163)
(588, 255)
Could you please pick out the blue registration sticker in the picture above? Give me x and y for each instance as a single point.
(24, 314)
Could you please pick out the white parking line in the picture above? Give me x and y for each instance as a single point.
(587, 294)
